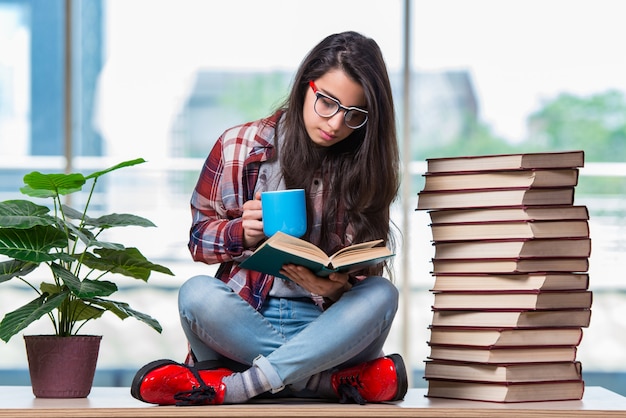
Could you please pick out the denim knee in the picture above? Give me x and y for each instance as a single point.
(200, 293)
(380, 291)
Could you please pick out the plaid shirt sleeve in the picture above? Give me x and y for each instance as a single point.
(227, 180)
(215, 237)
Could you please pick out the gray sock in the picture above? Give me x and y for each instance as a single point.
(240, 387)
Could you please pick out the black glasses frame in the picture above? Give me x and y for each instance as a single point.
(346, 110)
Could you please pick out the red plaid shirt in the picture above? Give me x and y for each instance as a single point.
(227, 180)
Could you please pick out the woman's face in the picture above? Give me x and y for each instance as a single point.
(327, 131)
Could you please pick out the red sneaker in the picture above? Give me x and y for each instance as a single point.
(165, 382)
(380, 380)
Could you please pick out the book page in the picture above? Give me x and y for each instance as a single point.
(356, 247)
(297, 246)
(358, 254)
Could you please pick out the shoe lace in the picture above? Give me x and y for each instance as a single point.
(200, 395)
(348, 390)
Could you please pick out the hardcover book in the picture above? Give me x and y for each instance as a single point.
(511, 282)
(281, 249)
(506, 392)
(454, 199)
(504, 337)
(514, 248)
(499, 179)
(559, 299)
(504, 373)
(510, 265)
(509, 355)
(562, 318)
(514, 213)
(509, 230)
(565, 159)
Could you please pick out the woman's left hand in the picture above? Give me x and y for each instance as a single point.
(331, 287)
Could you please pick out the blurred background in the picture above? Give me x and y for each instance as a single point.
(85, 84)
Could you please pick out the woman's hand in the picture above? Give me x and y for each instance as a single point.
(252, 222)
(331, 287)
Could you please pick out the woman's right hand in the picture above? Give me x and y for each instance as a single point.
(252, 222)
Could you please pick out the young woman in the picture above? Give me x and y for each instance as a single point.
(250, 333)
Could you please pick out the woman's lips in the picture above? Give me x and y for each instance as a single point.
(326, 136)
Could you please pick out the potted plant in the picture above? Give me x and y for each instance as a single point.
(69, 244)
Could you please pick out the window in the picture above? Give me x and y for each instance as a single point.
(157, 80)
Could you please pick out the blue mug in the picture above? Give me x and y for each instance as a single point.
(285, 211)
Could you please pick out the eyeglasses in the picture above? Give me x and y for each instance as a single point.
(327, 107)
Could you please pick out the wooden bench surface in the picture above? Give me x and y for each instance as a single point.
(109, 402)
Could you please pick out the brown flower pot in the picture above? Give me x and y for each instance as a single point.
(62, 367)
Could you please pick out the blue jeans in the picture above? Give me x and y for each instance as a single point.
(290, 340)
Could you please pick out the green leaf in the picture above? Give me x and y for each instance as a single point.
(129, 262)
(84, 312)
(88, 238)
(128, 163)
(86, 288)
(50, 288)
(72, 213)
(123, 311)
(15, 321)
(108, 221)
(23, 214)
(85, 235)
(120, 219)
(15, 268)
(52, 185)
(27, 190)
(34, 244)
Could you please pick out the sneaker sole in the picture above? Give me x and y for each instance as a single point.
(403, 382)
(142, 373)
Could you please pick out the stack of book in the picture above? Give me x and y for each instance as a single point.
(511, 291)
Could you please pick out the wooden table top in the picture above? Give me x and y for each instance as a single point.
(115, 402)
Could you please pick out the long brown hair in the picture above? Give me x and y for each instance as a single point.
(363, 169)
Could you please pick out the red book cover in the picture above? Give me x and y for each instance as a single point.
(514, 248)
(526, 282)
(556, 318)
(503, 197)
(506, 392)
(469, 180)
(559, 159)
(510, 265)
(517, 229)
(503, 372)
(474, 336)
(511, 213)
(512, 300)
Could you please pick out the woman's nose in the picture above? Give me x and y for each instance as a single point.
(336, 121)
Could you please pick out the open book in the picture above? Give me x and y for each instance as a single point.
(283, 249)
